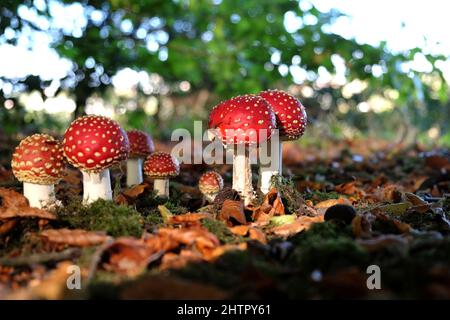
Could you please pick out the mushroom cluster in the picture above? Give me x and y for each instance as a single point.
(240, 122)
(251, 120)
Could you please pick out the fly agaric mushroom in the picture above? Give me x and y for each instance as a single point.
(291, 121)
(141, 145)
(240, 122)
(93, 144)
(210, 184)
(161, 166)
(38, 163)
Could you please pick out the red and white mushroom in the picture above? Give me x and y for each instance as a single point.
(141, 145)
(291, 122)
(161, 166)
(93, 144)
(240, 122)
(210, 184)
(38, 163)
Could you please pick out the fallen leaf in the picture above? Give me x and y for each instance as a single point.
(302, 223)
(232, 211)
(136, 190)
(7, 226)
(241, 230)
(349, 189)
(14, 204)
(128, 256)
(360, 226)
(273, 198)
(257, 234)
(414, 199)
(165, 213)
(187, 218)
(178, 261)
(322, 206)
(77, 237)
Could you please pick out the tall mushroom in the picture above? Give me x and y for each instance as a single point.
(141, 145)
(93, 144)
(161, 166)
(240, 122)
(210, 184)
(291, 122)
(38, 163)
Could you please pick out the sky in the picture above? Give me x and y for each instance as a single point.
(404, 24)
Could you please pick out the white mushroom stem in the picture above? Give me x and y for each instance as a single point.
(134, 171)
(39, 195)
(242, 174)
(210, 197)
(96, 185)
(273, 167)
(161, 187)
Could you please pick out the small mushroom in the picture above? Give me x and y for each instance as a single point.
(291, 121)
(210, 184)
(38, 163)
(161, 166)
(240, 122)
(93, 144)
(141, 145)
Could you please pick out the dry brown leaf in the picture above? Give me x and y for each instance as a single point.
(272, 206)
(302, 223)
(241, 230)
(331, 202)
(232, 211)
(77, 237)
(220, 250)
(273, 198)
(350, 188)
(178, 261)
(7, 226)
(360, 226)
(414, 199)
(15, 205)
(136, 190)
(257, 234)
(127, 256)
(187, 218)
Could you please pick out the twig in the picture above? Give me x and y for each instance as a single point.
(40, 258)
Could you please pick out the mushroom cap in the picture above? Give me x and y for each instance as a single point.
(94, 143)
(161, 165)
(210, 182)
(242, 119)
(38, 159)
(289, 111)
(141, 143)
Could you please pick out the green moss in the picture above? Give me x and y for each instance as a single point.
(221, 231)
(101, 215)
(292, 199)
(318, 196)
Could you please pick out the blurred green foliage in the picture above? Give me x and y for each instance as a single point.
(226, 47)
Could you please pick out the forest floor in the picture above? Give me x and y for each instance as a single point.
(393, 207)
